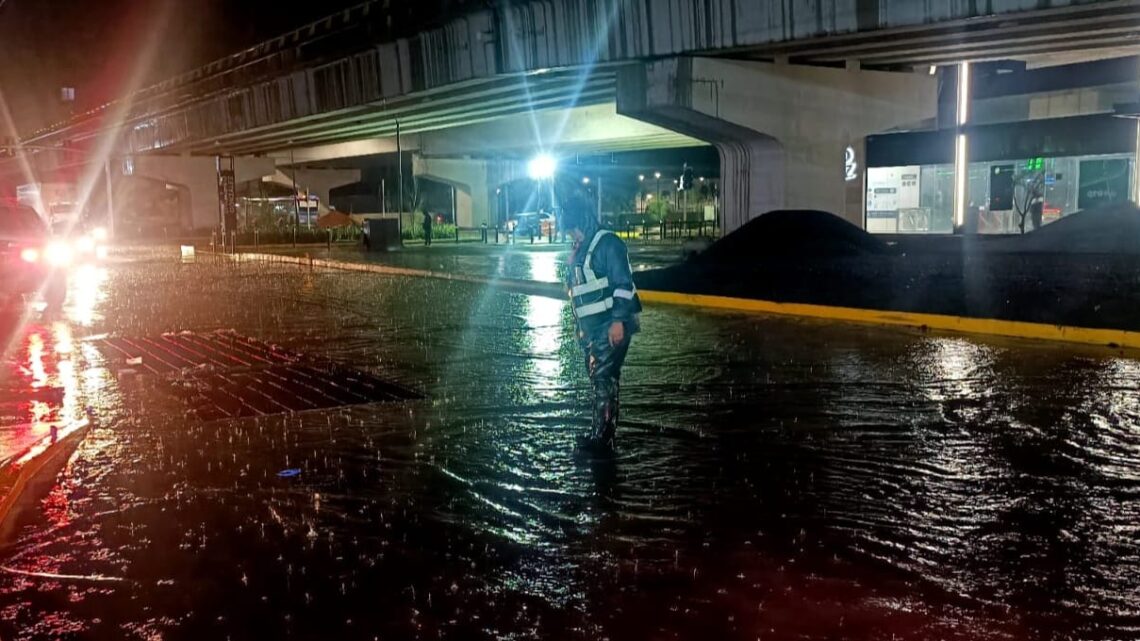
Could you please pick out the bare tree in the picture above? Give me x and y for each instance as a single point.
(1028, 186)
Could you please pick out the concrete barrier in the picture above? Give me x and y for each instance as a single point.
(43, 456)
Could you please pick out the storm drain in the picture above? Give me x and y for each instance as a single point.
(225, 375)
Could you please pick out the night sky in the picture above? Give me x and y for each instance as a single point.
(93, 45)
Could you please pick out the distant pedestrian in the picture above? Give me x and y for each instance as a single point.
(1036, 211)
(427, 229)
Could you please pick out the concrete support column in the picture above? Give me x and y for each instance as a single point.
(474, 181)
(783, 131)
(196, 177)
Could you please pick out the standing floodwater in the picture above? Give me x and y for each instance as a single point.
(775, 479)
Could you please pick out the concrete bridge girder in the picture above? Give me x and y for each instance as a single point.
(782, 130)
(243, 101)
(583, 129)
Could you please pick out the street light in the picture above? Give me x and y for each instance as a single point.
(542, 167)
(585, 180)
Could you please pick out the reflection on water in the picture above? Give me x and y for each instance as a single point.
(545, 334)
(40, 383)
(544, 267)
(776, 479)
(86, 290)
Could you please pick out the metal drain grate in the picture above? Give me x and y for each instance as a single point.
(225, 375)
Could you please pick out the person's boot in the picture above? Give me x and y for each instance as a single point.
(600, 439)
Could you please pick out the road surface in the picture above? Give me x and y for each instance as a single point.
(777, 479)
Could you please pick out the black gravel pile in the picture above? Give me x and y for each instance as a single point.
(802, 233)
(1094, 282)
(1114, 229)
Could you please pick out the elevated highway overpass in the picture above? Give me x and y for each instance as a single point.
(740, 75)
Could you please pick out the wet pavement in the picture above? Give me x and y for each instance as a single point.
(44, 380)
(777, 479)
(522, 261)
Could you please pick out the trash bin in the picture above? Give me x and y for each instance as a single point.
(383, 234)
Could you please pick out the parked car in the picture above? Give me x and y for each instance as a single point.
(531, 223)
(34, 263)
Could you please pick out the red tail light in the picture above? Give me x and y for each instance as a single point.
(30, 255)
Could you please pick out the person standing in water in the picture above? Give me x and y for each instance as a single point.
(606, 312)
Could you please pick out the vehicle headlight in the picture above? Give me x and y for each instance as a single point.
(85, 244)
(99, 233)
(57, 254)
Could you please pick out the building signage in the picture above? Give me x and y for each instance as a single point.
(1102, 182)
(850, 165)
(227, 200)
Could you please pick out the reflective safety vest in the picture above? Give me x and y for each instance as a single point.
(591, 295)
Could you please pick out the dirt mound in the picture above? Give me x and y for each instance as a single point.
(793, 232)
(1112, 229)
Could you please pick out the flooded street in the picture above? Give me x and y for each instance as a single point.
(776, 479)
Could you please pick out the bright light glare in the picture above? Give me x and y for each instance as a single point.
(963, 93)
(101, 252)
(85, 244)
(57, 254)
(30, 255)
(585, 180)
(542, 166)
(99, 233)
(960, 175)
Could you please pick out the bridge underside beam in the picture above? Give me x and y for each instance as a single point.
(585, 129)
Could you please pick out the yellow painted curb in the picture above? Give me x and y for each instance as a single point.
(960, 324)
(25, 466)
(940, 322)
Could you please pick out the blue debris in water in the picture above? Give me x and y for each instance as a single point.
(289, 473)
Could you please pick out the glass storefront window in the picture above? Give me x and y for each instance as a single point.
(919, 199)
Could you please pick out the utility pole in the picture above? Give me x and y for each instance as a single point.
(110, 199)
(296, 200)
(599, 194)
(400, 174)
